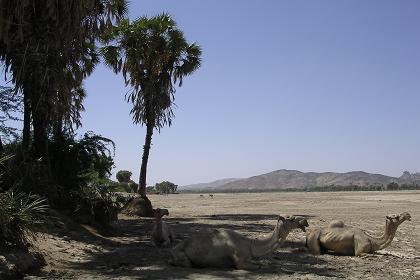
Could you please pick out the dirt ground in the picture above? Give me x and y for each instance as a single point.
(74, 252)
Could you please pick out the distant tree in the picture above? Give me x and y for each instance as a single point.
(166, 187)
(153, 56)
(392, 186)
(124, 179)
(124, 176)
(150, 189)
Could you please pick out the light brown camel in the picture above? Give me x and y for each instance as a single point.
(348, 240)
(227, 248)
(162, 235)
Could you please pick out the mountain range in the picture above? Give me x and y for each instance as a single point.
(292, 179)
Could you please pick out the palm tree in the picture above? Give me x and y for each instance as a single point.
(47, 45)
(153, 56)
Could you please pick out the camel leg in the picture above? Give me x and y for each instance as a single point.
(241, 263)
(179, 259)
(178, 256)
(312, 242)
(361, 247)
(280, 242)
(166, 243)
(172, 236)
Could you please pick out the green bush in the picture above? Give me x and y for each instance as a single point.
(124, 187)
(96, 203)
(20, 215)
(81, 167)
(79, 180)
(71, 159)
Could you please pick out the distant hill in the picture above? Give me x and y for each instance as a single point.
(210, 185)
(292, 179)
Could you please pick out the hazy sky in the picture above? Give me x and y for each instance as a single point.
(307, 85)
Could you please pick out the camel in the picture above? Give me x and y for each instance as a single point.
(347, 240)
(162, 235)
(227, 248)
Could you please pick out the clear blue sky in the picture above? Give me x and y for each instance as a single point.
(306, 85)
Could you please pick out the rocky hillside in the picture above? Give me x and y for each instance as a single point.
(293, 179)
(211, 185)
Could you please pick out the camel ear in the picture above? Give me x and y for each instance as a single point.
(292, 218)
(281, 218)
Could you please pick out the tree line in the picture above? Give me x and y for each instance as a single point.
(393, 186)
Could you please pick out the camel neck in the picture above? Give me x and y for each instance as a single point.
(158, 222)
(383, 241)
(267, 244)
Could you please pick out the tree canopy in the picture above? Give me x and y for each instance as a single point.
(48, 47)
(153, 56)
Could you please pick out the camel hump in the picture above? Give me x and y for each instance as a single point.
(336, 224)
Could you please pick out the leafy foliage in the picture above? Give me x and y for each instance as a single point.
(125, 184)
(153, 56)
(77, 166)
(48, 47)
(82, 169)
(72, 159)
(20, 215)
(124, 176)
(10, 108)
(96, 204)
(165, 187)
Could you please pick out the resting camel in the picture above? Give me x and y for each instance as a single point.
(227, 248)
(348, 240)
(162, 235)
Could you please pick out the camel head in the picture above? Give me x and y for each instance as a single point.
(159, 213)
(397, 219)
(293, 222)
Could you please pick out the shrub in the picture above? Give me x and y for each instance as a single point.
(79, 182)
(71, 159)
(96, 203)
(124, 187)
(20, 215)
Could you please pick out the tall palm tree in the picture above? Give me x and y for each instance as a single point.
(41, 42)
(153, 56)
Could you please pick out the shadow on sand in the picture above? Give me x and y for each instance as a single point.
(138, 259)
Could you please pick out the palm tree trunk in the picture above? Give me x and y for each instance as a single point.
(40, 120)
(58, 128)
(143, 170)
(142, 206)
(40, 135)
